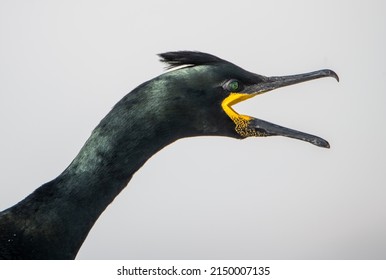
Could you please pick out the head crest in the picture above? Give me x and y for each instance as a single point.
(180, 58)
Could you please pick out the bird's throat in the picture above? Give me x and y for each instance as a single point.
(241, 121)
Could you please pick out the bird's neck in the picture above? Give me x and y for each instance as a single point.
(54, 220)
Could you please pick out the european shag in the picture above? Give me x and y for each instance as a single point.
(195, 98)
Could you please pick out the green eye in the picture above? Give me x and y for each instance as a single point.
(232, 86)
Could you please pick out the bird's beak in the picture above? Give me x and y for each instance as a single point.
(271, 83)
(256, 127)
(270, 129)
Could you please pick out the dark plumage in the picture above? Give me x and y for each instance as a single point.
(53, 221)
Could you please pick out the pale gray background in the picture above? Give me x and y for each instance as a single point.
(64, 64)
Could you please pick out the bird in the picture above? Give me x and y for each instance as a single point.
(194, 97)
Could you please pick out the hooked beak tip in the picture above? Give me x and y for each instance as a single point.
(330, 73)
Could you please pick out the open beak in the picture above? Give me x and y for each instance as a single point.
(270, 83)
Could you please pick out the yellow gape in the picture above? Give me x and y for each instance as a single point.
(241, 121)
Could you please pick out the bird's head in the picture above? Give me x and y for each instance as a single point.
(205, 87)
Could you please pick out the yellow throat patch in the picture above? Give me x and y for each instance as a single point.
(241, 121)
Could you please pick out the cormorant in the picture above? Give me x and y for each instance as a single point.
(194, 99)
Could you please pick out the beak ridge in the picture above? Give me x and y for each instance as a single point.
(274, 82)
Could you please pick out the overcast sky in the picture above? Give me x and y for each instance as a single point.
(64, 64)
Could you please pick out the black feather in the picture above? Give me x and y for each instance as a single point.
(175, 59)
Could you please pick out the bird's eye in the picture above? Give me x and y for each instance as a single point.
(232, 86)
